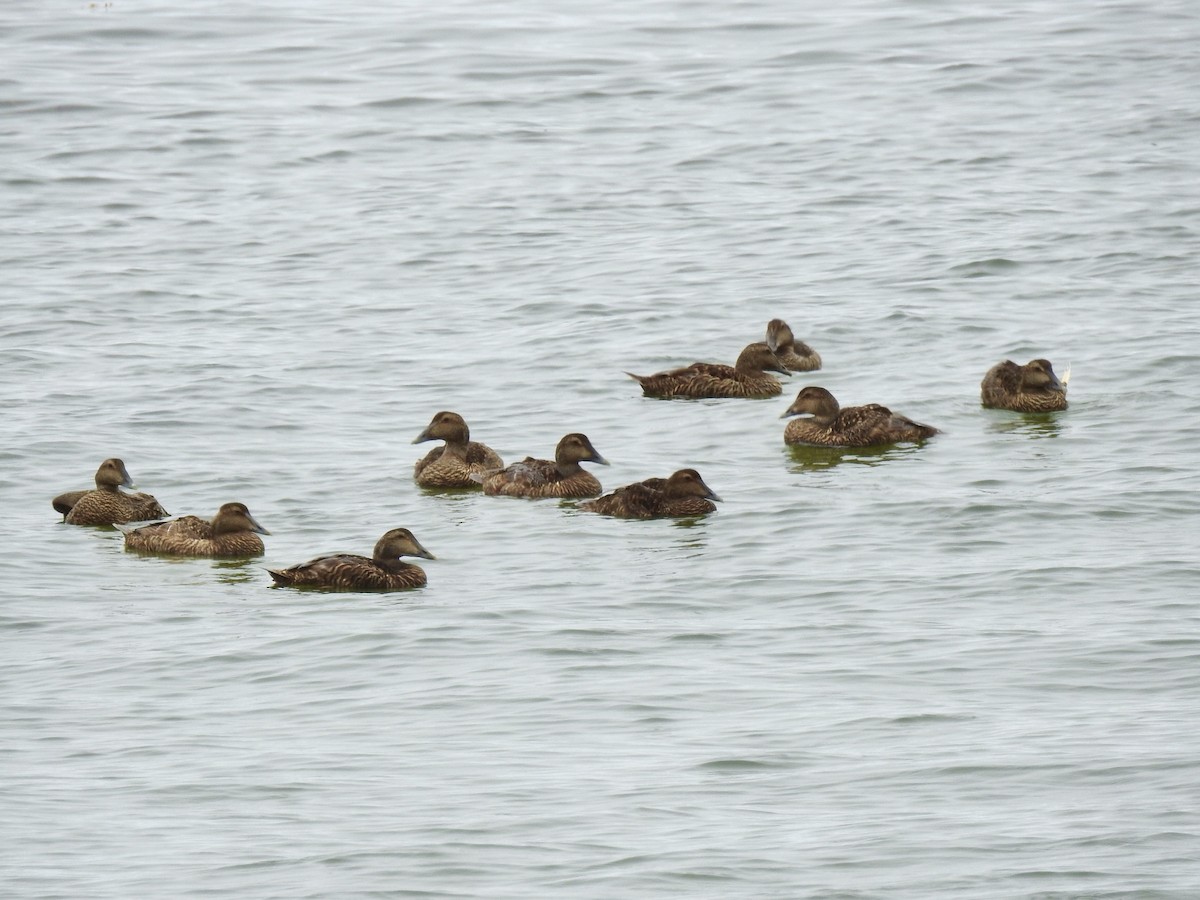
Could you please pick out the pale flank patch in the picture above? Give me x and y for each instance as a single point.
(1066, 376)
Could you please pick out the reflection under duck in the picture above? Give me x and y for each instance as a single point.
(809, 457)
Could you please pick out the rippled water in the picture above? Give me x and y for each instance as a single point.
(251, 248)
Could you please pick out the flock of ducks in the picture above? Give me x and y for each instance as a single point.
(461, 463)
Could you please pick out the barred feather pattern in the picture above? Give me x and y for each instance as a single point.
(450, 467)
(1007, 386)
(642, 501)
(796, 355)
(104, 507)
(714, 380)
(858, 426)
(747, 379)
(540, 478)
(349, 572)
(228, 535)
(799, 357)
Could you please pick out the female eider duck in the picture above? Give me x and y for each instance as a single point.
(384, 571)
(796, 355)
(747, 378)
(451, 465)
(1032, 387)
(108, 504)
(233, 532)
(562, 477)
(855, 426)
(683, 494)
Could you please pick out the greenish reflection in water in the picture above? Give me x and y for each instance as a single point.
(1034, 425)
(806, 458)
(238, 571)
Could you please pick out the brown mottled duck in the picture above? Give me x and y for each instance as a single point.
(383, 571)
(451, 465)
(683, 494)
(796, 355)
(1032, 387)
(561, 477)
(233, 532)
(107, 504)
(747, 378)
(829, 425)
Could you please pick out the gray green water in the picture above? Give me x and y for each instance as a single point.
(252, 250)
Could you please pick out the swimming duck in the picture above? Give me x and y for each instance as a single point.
(347, 572)
(1032, 387)
(231, 533)
(855, 426)
(747, 378)
(108, 504)
(563, 477)
(683, 494)
(796, 355)
(451, 465)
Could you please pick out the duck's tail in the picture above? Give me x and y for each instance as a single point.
(280, 576)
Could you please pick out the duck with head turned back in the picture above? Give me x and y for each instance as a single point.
(561, 477)
(1032, 387)
(856, 426)
(108, 504)
(451, 465)
(383, 571)
(796, 355)
(747, 378)
(232, 533)
(683, 494)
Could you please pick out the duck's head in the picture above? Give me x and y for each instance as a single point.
(759, 357)
(688, 483)
(815, 401)
(235, 517)
(576, 448)
(779, 335)
(112, 474)
(445, 426)
(1039, 374)
(400, 542)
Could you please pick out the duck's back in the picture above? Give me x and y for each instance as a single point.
(64, 503)
(98, 507)
(858, 426)
(646, 500)
(540, 478)
(800, 357)
(1001, 384)
(715, 380)
(441, 469)
(350, 572)
(192, 536)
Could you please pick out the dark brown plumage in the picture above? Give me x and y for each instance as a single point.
(563, 477)
(683, 494)
(108, 504)
(796, 355)
(384, 571)
(747, 378)
(1032, 387)
(855, 426)
(231, 533)
(451, 465)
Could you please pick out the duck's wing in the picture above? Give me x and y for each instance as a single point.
(530, 471)
(64, 503)
(324, 570)
(483, 456)
(191, 527)
(633, 501)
